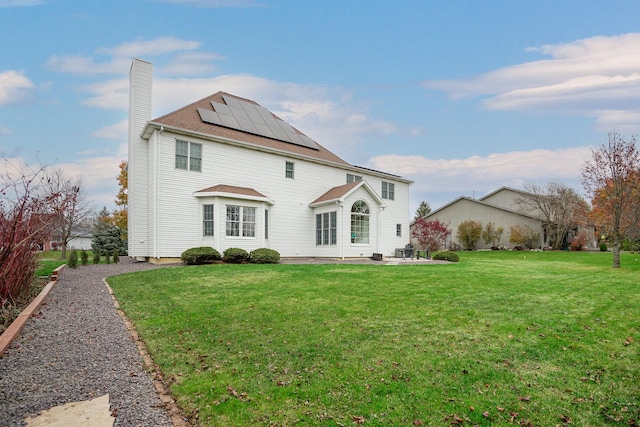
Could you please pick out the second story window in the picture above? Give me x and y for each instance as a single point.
(189, 156)
(289, 169)
(388, 190)
(353, 178)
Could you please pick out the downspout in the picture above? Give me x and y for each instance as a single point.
(378, 229)
(156, 191)
(341, 234)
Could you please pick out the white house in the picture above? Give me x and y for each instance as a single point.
(225, 172)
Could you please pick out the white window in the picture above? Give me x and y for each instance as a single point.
(327, 228)
(207, 220)
(241, 218)
(188, 156)
(289, 169)
(388, 190)
(360, 222)
(353, 178)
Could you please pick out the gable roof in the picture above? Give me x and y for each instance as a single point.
(340, 193)
(189, 119)
(501, 189)
(479, 202)
(222, 190)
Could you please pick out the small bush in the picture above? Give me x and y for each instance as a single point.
(84, 257)
(265, 256)
(107, 258)
(116, 256)
(603, 247)
(235, 255)
(200, 255)
(73, 259)
(446, 256)
(96, 257)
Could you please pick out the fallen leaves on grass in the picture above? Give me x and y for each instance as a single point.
(357, 419)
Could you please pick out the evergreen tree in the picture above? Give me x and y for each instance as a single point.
(423, 210)
(108, 237)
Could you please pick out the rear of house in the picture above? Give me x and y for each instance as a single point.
(225, 172)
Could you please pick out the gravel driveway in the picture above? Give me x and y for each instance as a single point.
(77, 348)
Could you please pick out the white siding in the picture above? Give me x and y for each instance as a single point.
(178, 219)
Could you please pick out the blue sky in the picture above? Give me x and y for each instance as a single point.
(462, 97)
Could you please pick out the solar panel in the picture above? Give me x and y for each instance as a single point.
(254, 119)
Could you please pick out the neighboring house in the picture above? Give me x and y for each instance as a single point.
(466, 208)
(80, 240)
(225, 172)
(503, 209)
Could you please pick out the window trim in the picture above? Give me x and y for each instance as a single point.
(240, 224)
(327, 228)
(210, 222)
(388, 190)
(353, 178)
(189, 158)
(289, 170)
(360, 215)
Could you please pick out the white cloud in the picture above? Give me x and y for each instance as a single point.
(159, 46)
(15, 88)
(87, 65)
(20, 3)
(595, 77)
(4, 131)
(191, 64)
(117, 131)
(119, 57)
(443, 180)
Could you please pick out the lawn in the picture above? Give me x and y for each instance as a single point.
(523, 338)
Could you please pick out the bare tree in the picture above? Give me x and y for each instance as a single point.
(559, 206)
(25, 220)
(74, 212)
(611, 179)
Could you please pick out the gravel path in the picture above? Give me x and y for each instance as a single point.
(77, 349)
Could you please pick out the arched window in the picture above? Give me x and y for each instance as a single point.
(360, 222)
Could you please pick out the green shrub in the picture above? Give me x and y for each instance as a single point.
(73, 259)
(96, 257)
(446, 256)
(107, 258)
(235, 255)
(200, 255)
(116, 256)
(603, 247)
(265, 256)
(84, 257)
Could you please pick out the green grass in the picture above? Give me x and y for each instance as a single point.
(529, 338)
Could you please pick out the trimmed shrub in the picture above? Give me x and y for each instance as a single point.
(84, 257)
(200, 255)
(446, 256)
(96, 257)
(235, 256)
(107, 258)
(73, 259)
(603, 247)
(265, 256)
(116, 256)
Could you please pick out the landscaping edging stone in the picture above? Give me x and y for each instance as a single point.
(16, 327)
